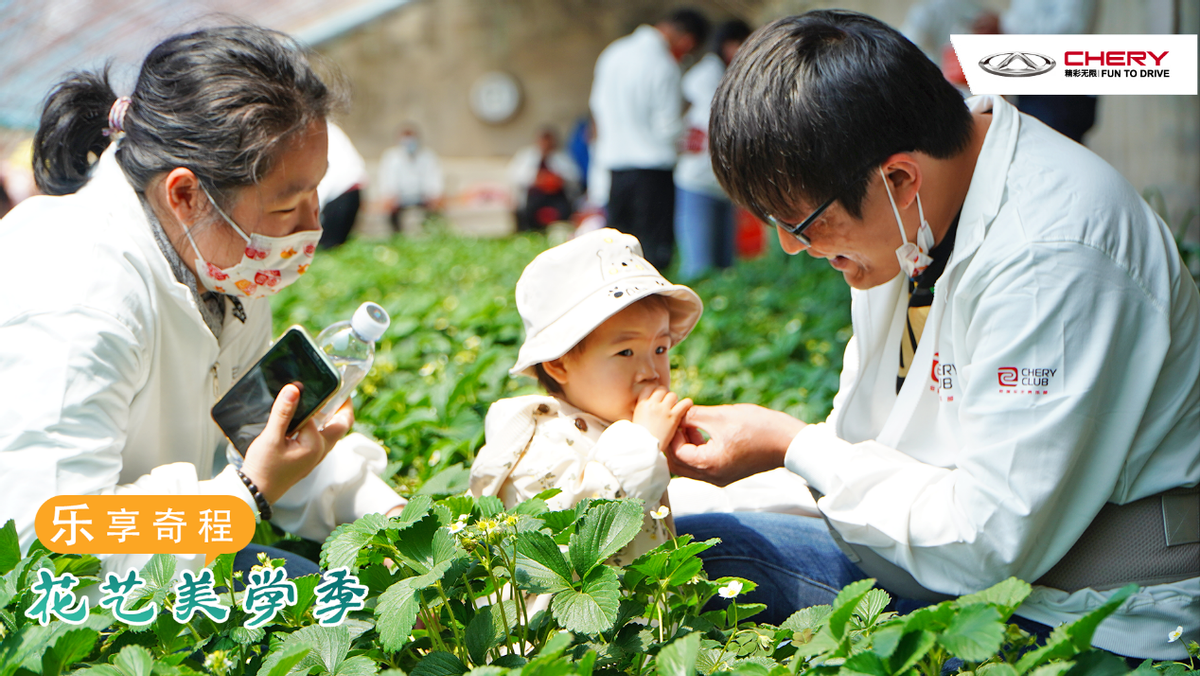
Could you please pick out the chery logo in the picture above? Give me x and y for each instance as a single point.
(1007, 376)
(1016, 64)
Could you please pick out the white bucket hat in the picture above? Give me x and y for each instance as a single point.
(567, 291)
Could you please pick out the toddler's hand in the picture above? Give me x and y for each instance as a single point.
(660, 411)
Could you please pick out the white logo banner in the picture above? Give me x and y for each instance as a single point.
(1078, 64)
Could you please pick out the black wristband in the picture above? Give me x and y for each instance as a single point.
(264, 507)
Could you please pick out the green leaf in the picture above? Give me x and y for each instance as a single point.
(844, 605)
(911, 648)
(996, 669)
(603, 530)
(1006, 596)
(1068, 640)
(397, 607)
(1052, 669)
(158, 573)
(488, 629)
(489, 506)
(329, 646)
(593, 609)
(541, 567)
(359, 665)
(453, 480)
(416, 509)
(71, 647)
(416, 543)
(281, 660)
(872, 605)
(10, 547)
(678, 658)
(1098, 663)
(342, 546)
(439, 663)
(530, 507)
(306, 594)
(867, 663)
(807, 619)
(134, 660)
(975, 633)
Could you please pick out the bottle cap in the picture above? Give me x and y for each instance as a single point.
(370, 321)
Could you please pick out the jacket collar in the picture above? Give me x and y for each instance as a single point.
(986, 192)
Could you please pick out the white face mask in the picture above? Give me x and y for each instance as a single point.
(268, 264)
(914, 258)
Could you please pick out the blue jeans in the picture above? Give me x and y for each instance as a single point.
(793, 560)
(295, 565)
(703, 232)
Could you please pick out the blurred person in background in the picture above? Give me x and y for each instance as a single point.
(1070, 115)
(637, 104)
(704, 228)
(340, 192)
(545, 182)
(170, 217)
(410, 176)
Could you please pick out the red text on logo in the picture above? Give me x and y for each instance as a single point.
(1112, 58)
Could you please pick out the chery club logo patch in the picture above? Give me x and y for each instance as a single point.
(1019, 380)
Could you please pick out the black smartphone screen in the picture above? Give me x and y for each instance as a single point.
(243, 412)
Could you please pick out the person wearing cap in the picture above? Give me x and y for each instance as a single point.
(599, 321)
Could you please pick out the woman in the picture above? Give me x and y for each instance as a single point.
(141, 293)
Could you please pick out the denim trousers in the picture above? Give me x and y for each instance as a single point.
(704, 232)
(793, 560)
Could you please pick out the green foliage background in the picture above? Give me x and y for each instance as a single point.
(773, 332)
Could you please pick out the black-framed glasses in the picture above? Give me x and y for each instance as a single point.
(797, 230)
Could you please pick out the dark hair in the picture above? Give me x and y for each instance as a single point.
(812, 101)
(552, 386)
(219, 101)
(736, 30)
(690, 21)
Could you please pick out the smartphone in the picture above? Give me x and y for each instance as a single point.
(243, 412)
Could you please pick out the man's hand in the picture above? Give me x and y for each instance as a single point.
(744, 439)
(659, 411)
(274, 462)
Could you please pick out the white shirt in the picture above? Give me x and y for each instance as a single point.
(694, 171)
(347, 169)
(636, 102)
(410, 179)
(523, 169)
(1052, 17)
(963, 481)
(110, 374)
(537, 442)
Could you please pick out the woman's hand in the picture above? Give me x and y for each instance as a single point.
(744, 439)
(274, 462)
(659, 411)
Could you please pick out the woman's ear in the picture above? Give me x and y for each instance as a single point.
(183, 196)
(556, 369)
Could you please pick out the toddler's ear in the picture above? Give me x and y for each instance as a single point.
(557, 370)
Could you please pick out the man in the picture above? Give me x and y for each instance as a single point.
(410, 176)
(1022, 393)
(545, 181)
(636, 102)
(703, 214)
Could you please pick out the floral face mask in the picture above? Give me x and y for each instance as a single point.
(268, 264)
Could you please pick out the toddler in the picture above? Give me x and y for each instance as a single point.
(599, 321)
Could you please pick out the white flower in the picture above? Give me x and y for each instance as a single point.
(1174, 636)
(458, 525)
(730, 590)
(661, 513)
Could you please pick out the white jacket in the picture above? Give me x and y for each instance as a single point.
(694, 171)
(536, 442)
(410, 179)
(636, 102)
(110, 373)
(976, 472)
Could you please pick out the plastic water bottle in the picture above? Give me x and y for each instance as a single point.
(350, 347)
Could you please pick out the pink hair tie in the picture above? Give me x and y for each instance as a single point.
(116, 115)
